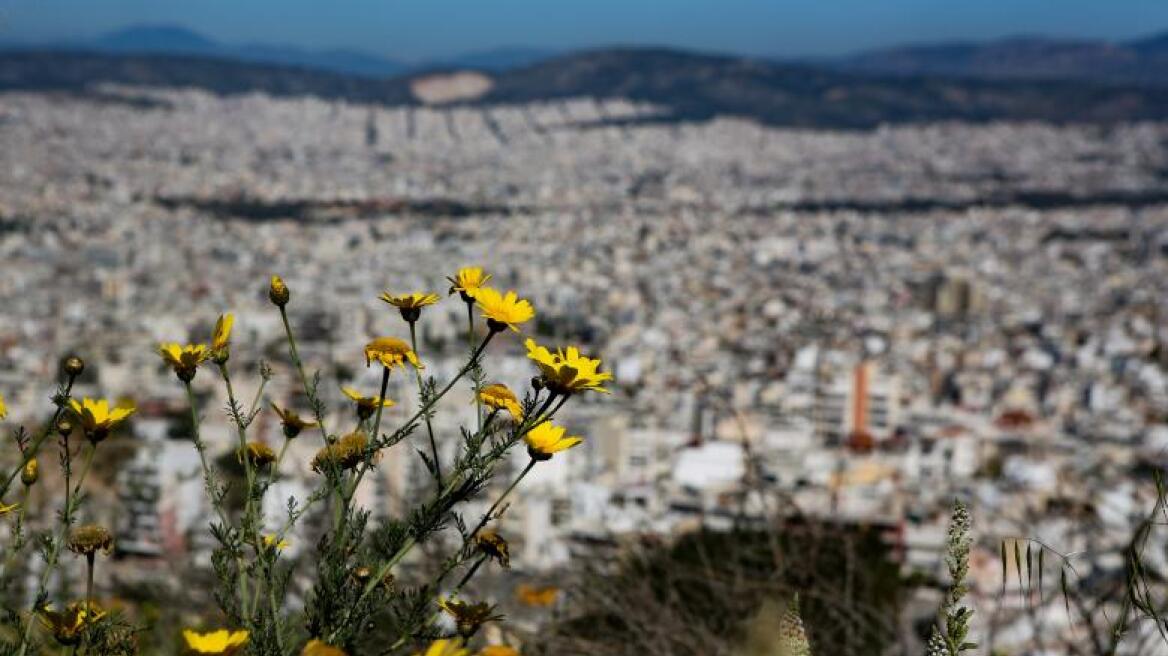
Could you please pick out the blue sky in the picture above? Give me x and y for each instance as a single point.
(427, 28)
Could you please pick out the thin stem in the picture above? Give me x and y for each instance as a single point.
(34, 448)
(89, 558)
(421, 394)
(495, 506)
(470, 346)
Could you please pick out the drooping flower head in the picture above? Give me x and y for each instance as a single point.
(391, 352)
(221, 338)
(493, 546)
(445, 647)
(366, 405)
(467, 282)
(257, 453)
(320, 648)
(547, 439)
(88, 539)
(291, 421)
(184, 359)
(68, 625)
(97, 418)
(503, 310)
(278, 292)
(469, 617)
(220, 643)
(497, 396)
(410, 305)
(567, 372)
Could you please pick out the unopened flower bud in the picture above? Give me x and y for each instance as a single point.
(64, 427)
(537, 383)
(30, 472)
(278, 292)
(74, 366)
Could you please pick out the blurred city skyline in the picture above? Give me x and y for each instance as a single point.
(418, 31)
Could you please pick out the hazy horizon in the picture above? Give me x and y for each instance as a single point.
(442, 29)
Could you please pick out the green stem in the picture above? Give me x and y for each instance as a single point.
(34, 448)
(421, 392)
(495, 506)
(89, 558)
(470, 346)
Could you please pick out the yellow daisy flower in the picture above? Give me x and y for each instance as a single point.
(391, 352)
(221, 338)
(445, 647)
(503, 310)
(319, 648)
(97, 418)
(537, 597)
(498, 650)
(3, 408)
(469, 617)
(366, 405)
(257, 453)
(410, 305)
(270, 542)
(68, 625)
(547, 439)
(567, 372)
(492, 545)
(291, 421)
(499, 397)
(185, 360)
(346, 453)
(467, 282)
(221, 642)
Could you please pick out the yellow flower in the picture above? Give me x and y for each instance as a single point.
(318, 648)
(391, 352)
(67, 625)
(97, 419)
(445, 647)
(567, 372)
(257, 453)
(366, 405)
(503, 310)
(221, 338)
(547, 439)
(291, 421)
(492, 545)
(278, 292)
(467, 282)
(3, 408)
(4, 510)
(537, 597)
(185, 360)
(498, 650)
(347, 453)
(86, 540)
(499, 397)
(410, 305)
(270, 542)
(221, 642)
(469, 617)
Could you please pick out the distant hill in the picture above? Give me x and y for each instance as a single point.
(691, 86)
(1137, 62)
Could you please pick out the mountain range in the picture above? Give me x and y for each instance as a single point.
(1016, 79)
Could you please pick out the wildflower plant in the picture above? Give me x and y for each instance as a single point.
(949, 637)
(354, 578)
